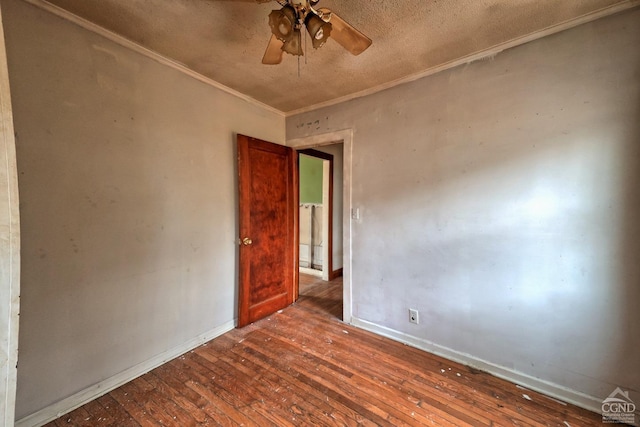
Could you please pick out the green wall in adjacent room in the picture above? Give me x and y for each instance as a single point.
(310, 179)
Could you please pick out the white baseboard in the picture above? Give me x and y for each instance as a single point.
(64, 406)
(555, 391)
(547, 388)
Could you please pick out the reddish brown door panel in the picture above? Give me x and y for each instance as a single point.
(268, 242)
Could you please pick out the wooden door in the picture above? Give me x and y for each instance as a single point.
(268, 228)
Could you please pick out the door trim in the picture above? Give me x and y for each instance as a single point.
(345, 137)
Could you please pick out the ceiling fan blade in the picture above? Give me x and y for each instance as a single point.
(273, 54)
(347, 36)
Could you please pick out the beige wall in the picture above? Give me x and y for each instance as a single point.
(501, 200)
(128, 184)
(497, 198)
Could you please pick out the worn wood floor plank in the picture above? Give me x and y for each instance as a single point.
(402, 378)
(303, 366)
(370, 366)
(121, 418)
(300, 407)
(183, 378)
(315, 395)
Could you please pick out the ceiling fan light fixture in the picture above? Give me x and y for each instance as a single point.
(286, 30)
(294, 44)
(318, 29)
(282, 23)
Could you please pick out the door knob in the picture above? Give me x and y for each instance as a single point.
(247, 241)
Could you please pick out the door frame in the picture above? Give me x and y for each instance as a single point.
(345, 137)
(327, 270)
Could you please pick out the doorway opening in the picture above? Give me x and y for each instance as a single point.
(320, 227)
(315, 169)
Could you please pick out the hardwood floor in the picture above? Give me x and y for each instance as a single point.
(302, 366)
(321, 297)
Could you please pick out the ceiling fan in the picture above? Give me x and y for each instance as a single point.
(286, 30)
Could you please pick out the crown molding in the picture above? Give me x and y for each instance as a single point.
(486, 53)
(124, 42)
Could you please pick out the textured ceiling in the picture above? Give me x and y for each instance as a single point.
(225, 40)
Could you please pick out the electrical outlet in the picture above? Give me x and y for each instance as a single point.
(414, 316)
